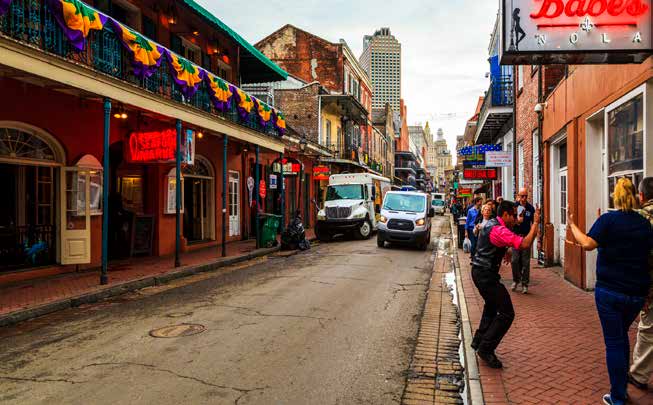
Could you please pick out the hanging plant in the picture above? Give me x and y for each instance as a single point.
(77, 20)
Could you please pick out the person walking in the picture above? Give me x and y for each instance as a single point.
(484, 218)
(642, 366)
(624, 240)
(472, 213)
(498, 313)
(521, 259)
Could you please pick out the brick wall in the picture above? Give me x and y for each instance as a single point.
(301, 109)
(306, 56)
(526, 123)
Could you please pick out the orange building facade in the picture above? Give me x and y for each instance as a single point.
(597, 127)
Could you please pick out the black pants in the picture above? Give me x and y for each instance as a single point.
(498, 312)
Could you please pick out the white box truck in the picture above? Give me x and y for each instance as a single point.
(352, 205)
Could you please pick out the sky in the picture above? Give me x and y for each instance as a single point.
(444, 44)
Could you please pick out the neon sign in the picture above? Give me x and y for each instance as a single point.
(575, 31)
(156, 146)
(592, 8)
(480, 174)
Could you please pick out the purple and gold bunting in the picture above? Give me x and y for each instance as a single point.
(220, 92)
(4, 6)
(279, 122)
(264, 112)
(146, 55)
(244, 102)
(186, 74)
(76, 20)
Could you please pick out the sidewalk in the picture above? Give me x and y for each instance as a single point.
(28, 299)
(554, 352)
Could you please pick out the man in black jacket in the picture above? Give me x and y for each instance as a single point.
(494, 240)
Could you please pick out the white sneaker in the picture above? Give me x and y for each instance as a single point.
(525, 290)
(514, 286)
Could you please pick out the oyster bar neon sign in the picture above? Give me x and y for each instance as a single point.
(575, 31)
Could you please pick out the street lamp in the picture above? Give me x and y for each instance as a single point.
(303, 143)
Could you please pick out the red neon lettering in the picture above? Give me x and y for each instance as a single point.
(152, 146)
(593, 8)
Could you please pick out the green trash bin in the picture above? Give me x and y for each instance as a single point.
(269, 227)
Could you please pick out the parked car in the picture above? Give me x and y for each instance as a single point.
(406, 219)
(351, 206)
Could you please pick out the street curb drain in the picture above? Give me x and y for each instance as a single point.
(181, 330)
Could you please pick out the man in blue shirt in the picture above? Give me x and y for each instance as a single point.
(472, 213)
(521, 259)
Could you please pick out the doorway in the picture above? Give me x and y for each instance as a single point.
(559, 198)
(234, 204)
(199, 200)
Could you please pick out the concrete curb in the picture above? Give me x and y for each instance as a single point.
(472, 375)
(128, 286)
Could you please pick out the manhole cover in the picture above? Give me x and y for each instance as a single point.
(179, 314)
(185, 329)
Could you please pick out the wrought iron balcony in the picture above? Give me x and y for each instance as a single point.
(32, 22)
(496, 110)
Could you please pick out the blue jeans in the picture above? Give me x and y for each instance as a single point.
(617, 312)
(474, 239)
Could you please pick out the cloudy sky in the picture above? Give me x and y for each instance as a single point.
(444, 44)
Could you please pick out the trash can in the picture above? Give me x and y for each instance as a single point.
(269, 225)
(461, 231)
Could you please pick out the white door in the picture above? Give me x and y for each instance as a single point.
(234, 204)
(75, 227)
(562, 228)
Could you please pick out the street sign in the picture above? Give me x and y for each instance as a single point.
(498, 159)
(575, 31)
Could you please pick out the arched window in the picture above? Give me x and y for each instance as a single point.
(26, 143)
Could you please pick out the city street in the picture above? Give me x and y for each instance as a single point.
(336, 324)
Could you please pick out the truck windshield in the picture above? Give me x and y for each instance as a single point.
(405, 203)
(345, 192)
(438, 203)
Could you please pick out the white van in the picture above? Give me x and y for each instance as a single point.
(438, 203)
(351, 205)
(406, 219)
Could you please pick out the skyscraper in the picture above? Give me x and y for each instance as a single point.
(381, 59)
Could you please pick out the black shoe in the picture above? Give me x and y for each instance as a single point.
(491, 359)
(476, 342)
(633, 381)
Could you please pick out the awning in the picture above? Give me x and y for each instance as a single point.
(254, 66)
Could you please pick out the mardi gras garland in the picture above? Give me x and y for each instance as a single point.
(77, 20)
(4, 6)
(146, 55)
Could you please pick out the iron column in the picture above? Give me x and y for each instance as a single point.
(104, 277)
(178, 196)
(257, 177)
(224, 196)
(283, 195)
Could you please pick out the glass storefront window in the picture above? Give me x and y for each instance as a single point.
(626, 143)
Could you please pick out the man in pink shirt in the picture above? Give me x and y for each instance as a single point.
(492, 247)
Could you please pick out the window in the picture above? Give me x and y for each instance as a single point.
(149, 29)
(191, 51)
(625, 143)
(171, 189)
(520, 77)
(520, 160)
(92, 170)
(328, 134)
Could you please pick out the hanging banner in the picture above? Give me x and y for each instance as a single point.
(4, 6)
(77, 20)
(279, 122)
(575, 31)
(220, 92)
(244, 102)
(187, 75)
(146, 55)
(264, 112)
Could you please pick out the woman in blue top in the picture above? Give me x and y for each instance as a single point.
(624, 239)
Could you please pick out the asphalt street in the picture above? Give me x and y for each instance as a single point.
(334, 325)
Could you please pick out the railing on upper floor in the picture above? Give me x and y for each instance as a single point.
(501, 91)
(31, 22)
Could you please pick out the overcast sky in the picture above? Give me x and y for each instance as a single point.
(444, 44)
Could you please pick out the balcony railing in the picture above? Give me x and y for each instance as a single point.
(501, 91)
(32, 23)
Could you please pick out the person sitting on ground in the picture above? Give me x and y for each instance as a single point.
(642, 366)
(493, 242)
(624, 239)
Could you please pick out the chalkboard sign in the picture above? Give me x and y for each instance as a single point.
(142, 235)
